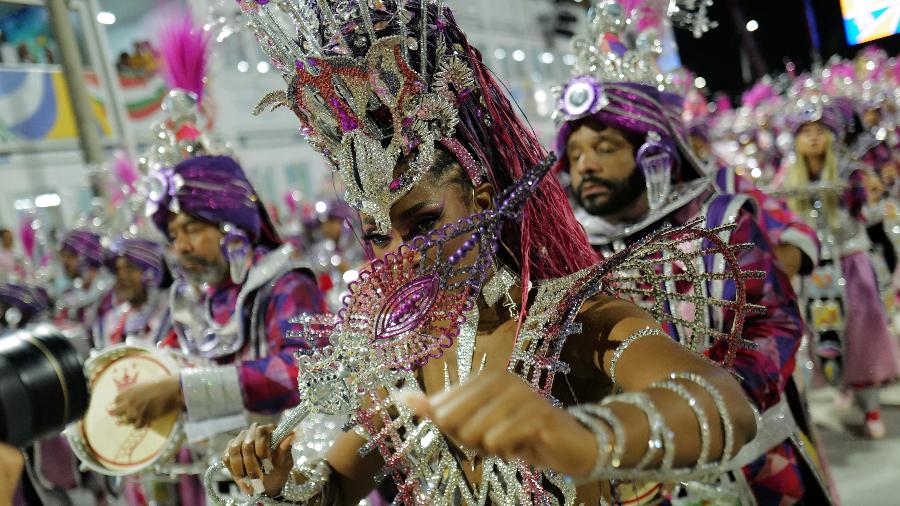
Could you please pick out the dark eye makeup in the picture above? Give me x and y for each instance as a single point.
(422, 223)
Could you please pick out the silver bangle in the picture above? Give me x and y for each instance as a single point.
(607, 415)
(702, 419)
(317, 475)
(724, 415)
(636, 336)
(661, 437)
(604, 449)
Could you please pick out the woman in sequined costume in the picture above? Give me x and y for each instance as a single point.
(869, 352)
(508, 429)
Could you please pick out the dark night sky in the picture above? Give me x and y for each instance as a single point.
(782, 35)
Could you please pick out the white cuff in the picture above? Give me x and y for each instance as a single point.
(803, 242)
(211, 392)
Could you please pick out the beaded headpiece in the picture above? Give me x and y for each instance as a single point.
(807, 103)
(364, 90)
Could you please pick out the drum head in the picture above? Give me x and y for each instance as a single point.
(115, 445)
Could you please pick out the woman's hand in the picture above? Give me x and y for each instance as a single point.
(496, 413)
(254, 467)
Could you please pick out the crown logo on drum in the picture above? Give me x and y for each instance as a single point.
(125, 380)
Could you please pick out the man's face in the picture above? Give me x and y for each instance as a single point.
(7, 239)
(129, 282)
(700, 146)
(605, 179)
(331, 229)
(871, 118)
(196, 245)
(70, 263)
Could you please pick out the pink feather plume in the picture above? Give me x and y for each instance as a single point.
(184, 49)
(758, 94)
(648, 13)
(290, 200)
(723, 103)
(27, 235)
(125, 169)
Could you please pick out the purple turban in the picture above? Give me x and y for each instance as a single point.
(213, 189)
(28, 299)
(631, 107)
(86, 246)
(148, 256)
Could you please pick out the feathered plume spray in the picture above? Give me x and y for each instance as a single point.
(183, 47)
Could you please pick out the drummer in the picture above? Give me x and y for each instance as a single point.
(139, 300)
(238, 286)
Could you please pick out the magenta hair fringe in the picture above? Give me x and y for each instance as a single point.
(184, 49)
(552, 243)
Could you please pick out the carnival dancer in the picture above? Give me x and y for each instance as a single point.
(240, 289)
(334, 249)
(82, 257)
(632, 171)
(869, 355)
(795, 244)
(140, 301)
(435, 150)
(237, 285)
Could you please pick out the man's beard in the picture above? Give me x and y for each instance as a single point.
(622, 193)
(205, 272)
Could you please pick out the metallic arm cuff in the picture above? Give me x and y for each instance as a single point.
(211, 392)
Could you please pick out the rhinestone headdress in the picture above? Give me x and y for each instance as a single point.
(624, 41)
(364, 91)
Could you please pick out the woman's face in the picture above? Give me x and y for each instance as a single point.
(812, 140)
(437, 200)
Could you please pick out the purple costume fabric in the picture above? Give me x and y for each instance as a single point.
(266, 364)
(870, 356)
(776, 477)
(148, 256)
(31, 301)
